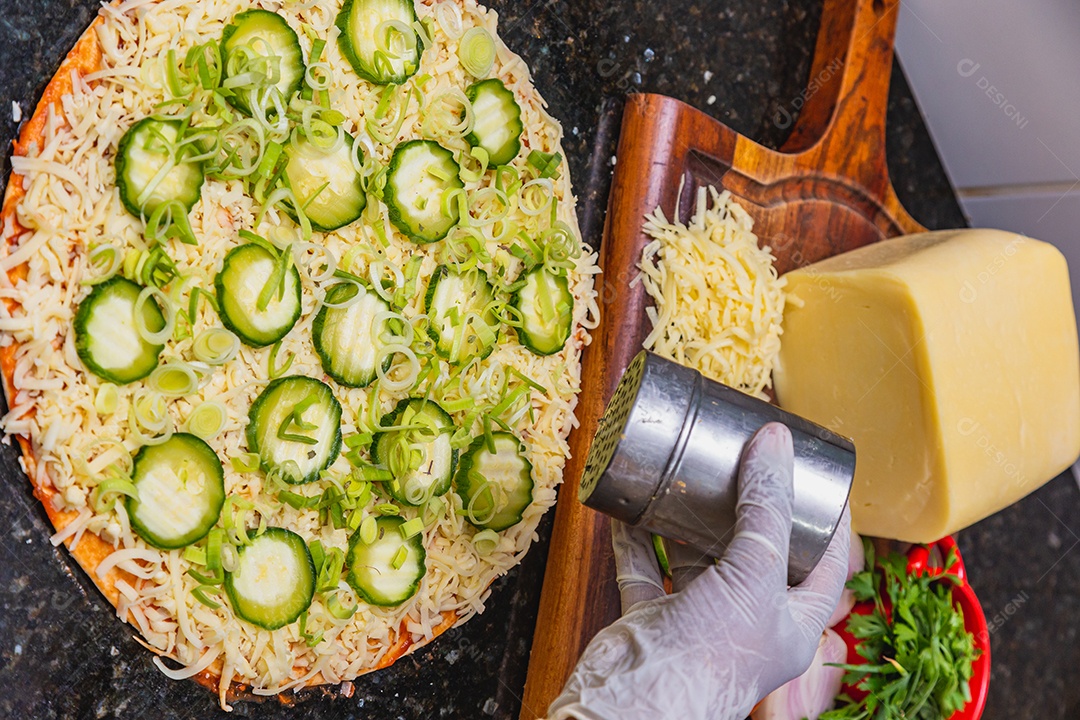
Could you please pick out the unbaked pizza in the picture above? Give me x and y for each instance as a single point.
(294, 302)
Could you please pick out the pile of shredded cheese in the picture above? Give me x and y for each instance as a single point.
(718, 301)
(72, 203)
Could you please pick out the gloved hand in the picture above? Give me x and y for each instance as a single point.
(731, 633)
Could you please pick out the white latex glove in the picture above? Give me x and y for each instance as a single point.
(733, 634)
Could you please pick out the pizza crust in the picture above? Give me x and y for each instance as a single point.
(84, 58)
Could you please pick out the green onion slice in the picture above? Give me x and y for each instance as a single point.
(207, 420)
(273, 368)
(234, 516)
(395, 39)
(111, 458)
(369, 529)
(170, 220)
(194, 555)
(485, 542)
(246, 462)
(287, 472)
(200, 593)
(546, 164)
(491, 205)
(470, 174)
(105, 494)
(167, 309)
(535, 196)
(476, 51)
(173, 379)
(107, 260)
(230, 558)
(148, 415)
(489, 504)
(433, 511)
(215, 346)
(107, 399)
(405, 381)
(308, 257)
(412, 527)
(448, 115)
(337, 610)
(448, 17)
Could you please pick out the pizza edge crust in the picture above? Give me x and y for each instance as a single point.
(85, 58)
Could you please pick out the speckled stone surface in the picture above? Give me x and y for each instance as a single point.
(63, 654)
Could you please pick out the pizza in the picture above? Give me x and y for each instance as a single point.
(294, 300)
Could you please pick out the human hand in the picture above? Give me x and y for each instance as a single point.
(731, 633)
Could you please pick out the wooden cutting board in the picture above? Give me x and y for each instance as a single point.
(824, 192)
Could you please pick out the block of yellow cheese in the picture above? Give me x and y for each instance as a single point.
(950, 358)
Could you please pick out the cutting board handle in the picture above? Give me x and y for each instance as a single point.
(841, 125)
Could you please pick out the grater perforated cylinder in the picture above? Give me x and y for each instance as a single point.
(665, 457)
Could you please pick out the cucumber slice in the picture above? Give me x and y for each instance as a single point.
(326, 185)
(251, 36)
(547, 311)
(106, 337)
(498, 485)
(291, 408)
(419, 173)
(421, 460)
(181, 490)
(144, 153)
(347, 339)
(244, 274)
(497, 127)
(371, 565)
(461, 322)
(378, 39)
(274, 580)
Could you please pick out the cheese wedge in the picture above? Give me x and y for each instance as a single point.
(950, 358)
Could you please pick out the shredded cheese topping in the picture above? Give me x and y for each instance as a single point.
(718, 300)
(72, 205)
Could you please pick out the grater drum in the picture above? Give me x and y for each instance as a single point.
(666, 455)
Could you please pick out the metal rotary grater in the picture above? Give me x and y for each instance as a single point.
(666, 458)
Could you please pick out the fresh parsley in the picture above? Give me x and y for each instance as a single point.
(918, 654)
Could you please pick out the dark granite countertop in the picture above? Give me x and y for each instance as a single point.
(63, 654)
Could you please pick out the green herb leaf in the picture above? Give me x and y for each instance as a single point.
(918, 654)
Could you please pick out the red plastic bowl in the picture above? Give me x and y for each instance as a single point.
(974, 621)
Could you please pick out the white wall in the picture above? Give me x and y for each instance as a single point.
(999, 84)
